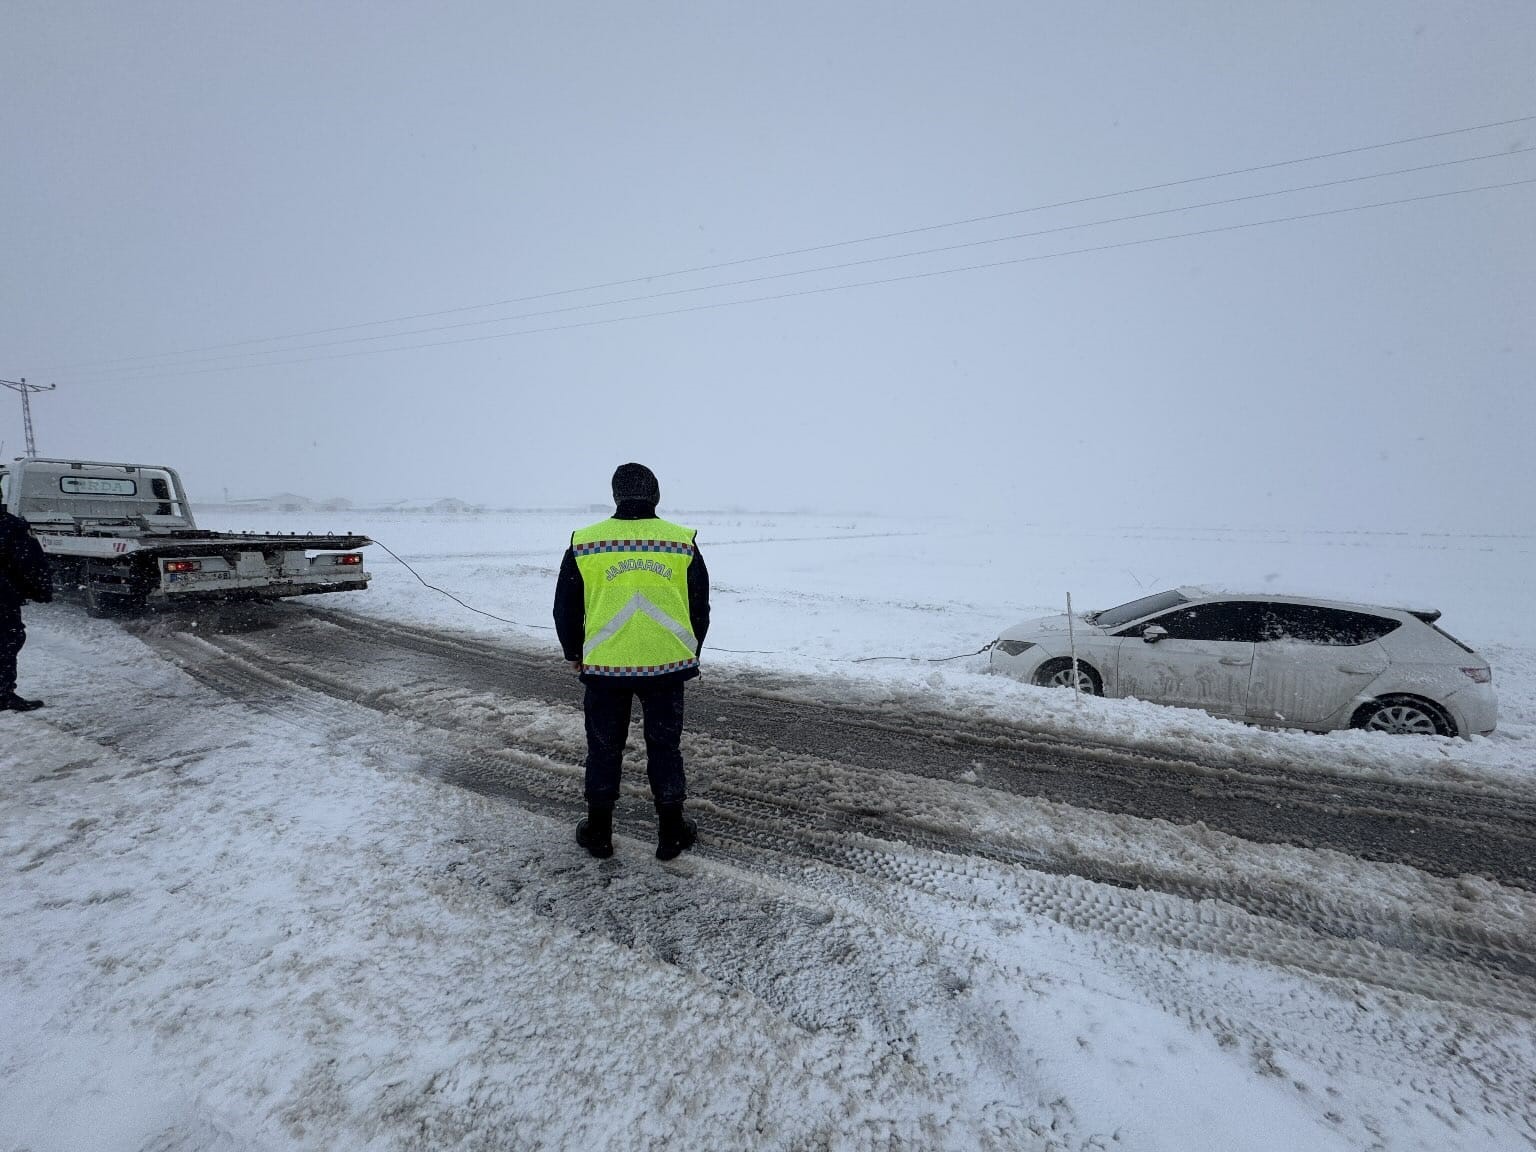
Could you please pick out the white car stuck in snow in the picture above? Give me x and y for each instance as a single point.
(1274, 660)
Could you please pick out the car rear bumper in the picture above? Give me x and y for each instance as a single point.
(1475, 710)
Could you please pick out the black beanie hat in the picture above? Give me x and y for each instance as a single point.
(635, 482)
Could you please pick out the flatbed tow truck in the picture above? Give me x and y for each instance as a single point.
(122, 538)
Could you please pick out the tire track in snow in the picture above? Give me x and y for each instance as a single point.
(748, 826)
(866, 978)
(1449, 830)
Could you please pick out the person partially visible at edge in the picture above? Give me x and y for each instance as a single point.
(24, 576)
(631, 611)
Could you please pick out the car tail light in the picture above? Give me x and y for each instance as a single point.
(1480, 675)
(183, 565)
(350, 558)
(1014, 647)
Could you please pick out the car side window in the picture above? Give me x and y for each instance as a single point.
(1314, 624)
(1233, 621)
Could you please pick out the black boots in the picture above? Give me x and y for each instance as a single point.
(675, 833)
(14, 703)
(595, 833)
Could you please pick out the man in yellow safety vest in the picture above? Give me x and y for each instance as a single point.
(631, 610)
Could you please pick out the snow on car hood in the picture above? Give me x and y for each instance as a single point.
(1050, 626)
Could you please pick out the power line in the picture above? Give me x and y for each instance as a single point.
(820, 247)
(862, 283)
(149, 372)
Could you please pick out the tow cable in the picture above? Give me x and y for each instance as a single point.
(707, 647)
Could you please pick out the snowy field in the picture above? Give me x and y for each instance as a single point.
(234, 925)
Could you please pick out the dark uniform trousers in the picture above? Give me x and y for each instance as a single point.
(13, 634)
(607, 709)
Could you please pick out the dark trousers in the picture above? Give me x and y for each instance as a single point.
(607, 708)
(13, 634)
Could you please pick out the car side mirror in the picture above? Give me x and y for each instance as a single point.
(1152, 633)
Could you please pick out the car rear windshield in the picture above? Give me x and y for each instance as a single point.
(1136, 609)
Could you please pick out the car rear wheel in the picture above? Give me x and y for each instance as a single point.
(1058, 674)
(1404, 716)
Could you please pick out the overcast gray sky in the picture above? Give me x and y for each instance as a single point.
(179, 176)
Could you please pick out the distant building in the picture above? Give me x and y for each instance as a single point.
(282, 502)
(443, 506)
(291, 502)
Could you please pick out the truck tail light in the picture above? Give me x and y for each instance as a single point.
(353, 558)
(1479, 675)
(183, 565)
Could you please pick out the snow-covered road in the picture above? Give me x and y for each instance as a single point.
(842, 766)
(305, 880)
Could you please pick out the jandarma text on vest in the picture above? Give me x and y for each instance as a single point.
(639, 565)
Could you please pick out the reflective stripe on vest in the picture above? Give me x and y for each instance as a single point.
(634, 576)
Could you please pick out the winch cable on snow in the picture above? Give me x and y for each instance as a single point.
(708, 647)
(456, 600)
(926, 659)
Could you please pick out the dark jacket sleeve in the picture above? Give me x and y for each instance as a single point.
(10, 584)
(570, 608)
(698, 596)
(24, 573)
(41, 575)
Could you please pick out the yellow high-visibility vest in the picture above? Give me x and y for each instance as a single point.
(634, 576)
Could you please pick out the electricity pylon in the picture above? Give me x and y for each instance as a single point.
(26, 391)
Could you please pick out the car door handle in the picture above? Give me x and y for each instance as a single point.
(1235, 661)
(1356, 670)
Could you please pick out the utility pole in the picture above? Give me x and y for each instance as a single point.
(26, 391)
